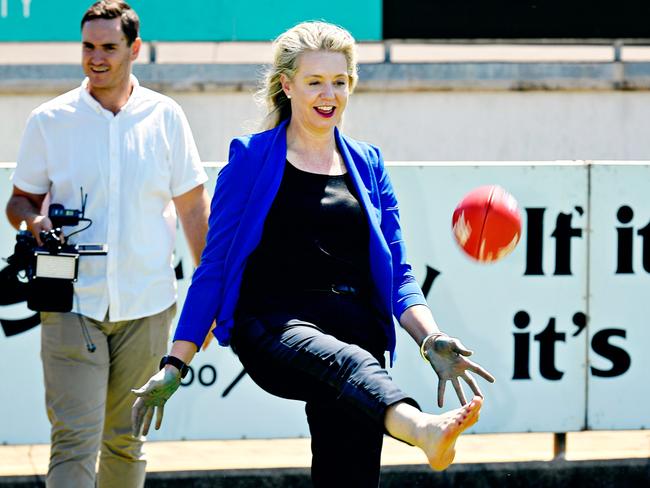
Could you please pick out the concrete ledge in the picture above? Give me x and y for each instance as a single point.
(585, 474)
(490, 76)
(28, 79)
(48, 78)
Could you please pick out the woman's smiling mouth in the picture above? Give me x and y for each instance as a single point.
(325, 110)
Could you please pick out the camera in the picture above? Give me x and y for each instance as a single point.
(44, 275)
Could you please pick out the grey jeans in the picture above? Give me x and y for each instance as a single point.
(88, 396)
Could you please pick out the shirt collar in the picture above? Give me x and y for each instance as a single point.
(96, 106)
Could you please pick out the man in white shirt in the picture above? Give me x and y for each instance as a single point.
(132, 152)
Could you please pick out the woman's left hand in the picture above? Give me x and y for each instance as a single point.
(448, 357)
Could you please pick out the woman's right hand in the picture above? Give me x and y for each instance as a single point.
(449, 359)
(152, 397)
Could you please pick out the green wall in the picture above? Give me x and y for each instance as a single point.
(197, 20)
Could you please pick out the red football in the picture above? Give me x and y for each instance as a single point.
(487, 223)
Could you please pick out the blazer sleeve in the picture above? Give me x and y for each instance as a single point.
(206, 290)
(406, 291)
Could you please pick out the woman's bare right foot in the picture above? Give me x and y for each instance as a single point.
(438, 433)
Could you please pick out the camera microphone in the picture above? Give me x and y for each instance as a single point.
(60, 216)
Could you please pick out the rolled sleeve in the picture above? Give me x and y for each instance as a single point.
(407, 296)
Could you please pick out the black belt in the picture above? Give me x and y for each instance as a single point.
(338, 290)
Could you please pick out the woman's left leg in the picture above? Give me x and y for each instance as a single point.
(345, 445)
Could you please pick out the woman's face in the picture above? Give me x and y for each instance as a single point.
(319, 90)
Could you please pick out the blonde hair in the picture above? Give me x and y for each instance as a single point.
(306, 36)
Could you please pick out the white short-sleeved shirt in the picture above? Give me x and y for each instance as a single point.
(130, 165)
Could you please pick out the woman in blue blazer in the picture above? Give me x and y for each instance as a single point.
(305, 273)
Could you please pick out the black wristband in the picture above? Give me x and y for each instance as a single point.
(177, 363)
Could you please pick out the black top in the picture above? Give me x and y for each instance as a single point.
(315, 235)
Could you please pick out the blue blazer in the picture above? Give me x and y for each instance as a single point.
(245, 190)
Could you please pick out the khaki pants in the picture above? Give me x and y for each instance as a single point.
(88, 395)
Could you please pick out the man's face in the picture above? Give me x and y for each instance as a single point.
(106, 58)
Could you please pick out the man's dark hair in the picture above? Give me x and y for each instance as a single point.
(115, 9)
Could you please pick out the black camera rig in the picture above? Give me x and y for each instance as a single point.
(43, 275)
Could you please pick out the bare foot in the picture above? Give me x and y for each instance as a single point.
(437, 436)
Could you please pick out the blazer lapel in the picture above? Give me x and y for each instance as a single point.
(380, 257)
(358, 182)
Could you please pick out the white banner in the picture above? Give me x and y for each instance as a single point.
(619, 287)
(525, 316)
